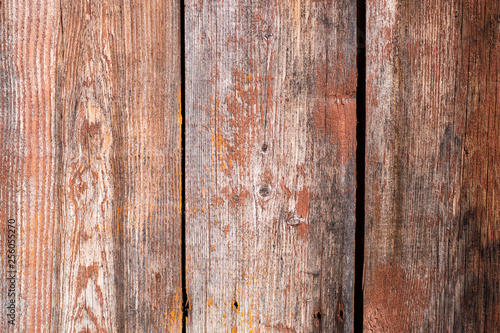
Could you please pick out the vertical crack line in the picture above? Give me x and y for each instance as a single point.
(360, 165)
(185, 305)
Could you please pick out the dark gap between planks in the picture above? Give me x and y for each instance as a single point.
(185, 304)
(360, 165)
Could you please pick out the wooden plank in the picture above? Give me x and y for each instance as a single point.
(28, 167)
(147, 164)
(93, 163)
(270, 165)
(433, 167)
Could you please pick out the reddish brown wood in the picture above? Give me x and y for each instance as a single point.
(28, 166)
(90, 148)
(433, 167)
(120, 231)
(90, 169)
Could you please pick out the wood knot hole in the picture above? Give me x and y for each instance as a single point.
(264, 147)
(235, 305)
(264, 191)
(341, 315)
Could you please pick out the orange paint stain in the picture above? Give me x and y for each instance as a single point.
(179, 103)
(247, 106)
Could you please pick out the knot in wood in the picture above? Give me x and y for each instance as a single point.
(265, 191)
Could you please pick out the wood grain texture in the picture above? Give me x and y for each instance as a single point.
(119, 250)
(270, 165)
(147, 164)
(91, 158)
(85, 293)
(432, 184)
(28, 150)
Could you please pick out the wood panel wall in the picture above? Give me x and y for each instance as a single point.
(192, 165)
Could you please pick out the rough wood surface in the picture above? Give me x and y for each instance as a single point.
(28, 152)
(433, 166)
(91, 163)
(270, 165)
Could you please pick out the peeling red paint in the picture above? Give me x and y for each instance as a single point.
(335, 111)
(236, 196)
(397, 302)
(303, 229)
(302, 205)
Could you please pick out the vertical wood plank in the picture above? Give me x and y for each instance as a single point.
(147, 163)
(432, 185)
(270, 165)
(86, 295)
(118, 92)
(28, 167)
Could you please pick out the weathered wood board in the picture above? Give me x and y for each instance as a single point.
(29, 161)
(270, 165)
(432, 250)
(91, 164)
(91, 174)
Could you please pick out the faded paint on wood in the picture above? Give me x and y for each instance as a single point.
(270, 165)
(432, 250)
(91, 160)
(119, 88)
(28, 152)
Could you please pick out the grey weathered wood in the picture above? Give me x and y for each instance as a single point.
(270, 165)
(433, 167)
